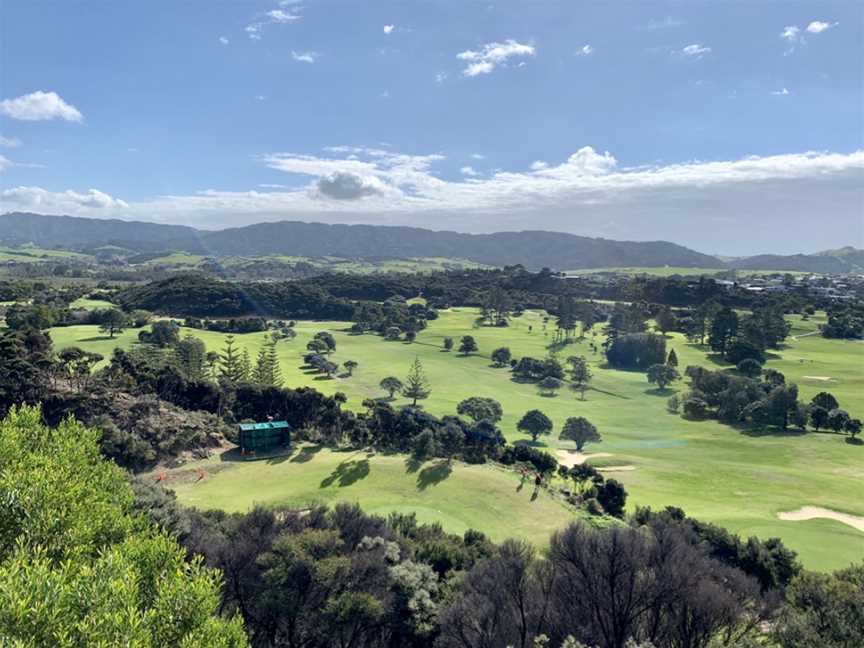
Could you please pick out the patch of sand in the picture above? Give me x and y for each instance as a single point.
(813, 512)
(572, 458)
(822, 378)
(617, 468)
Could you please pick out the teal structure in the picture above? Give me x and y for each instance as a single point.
(260, 437)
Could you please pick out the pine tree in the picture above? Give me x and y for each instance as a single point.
(416, 384)
(245, 366)
(273, 360)
(672, 361)
(266, 371)
(229, 362)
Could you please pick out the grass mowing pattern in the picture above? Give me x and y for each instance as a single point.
(735, 478)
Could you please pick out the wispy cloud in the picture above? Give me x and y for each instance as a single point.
(274, 16)
(585, 50)
(469, 171)
(40, 106)
(781, 93)
(818, 26)
(388, 29)
(695, 51)
(9, 142)
(791, 33)
(589, 193)
(666, 23)
(224, 40)
(491, 55)
(305, 57)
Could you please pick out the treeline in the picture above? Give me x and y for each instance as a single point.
(845, 322)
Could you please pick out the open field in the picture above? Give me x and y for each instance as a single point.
(460, 496)
(739, 479)
(86, 303)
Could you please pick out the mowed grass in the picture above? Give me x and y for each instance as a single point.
(459, 496)
(739, 479)
(85, 303)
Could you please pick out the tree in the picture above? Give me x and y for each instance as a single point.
(637, 351)
(467, 345)
(535, 423)
(245, 366)
(549, 385)
(410, 335)
(853, 427)
(112, 321)
(662, 375)
(230, 365)
(448, 343)
(84, 569)
(672, 360)
(579, 430)
(327, 338)
(391, 384)
(350, 366)
(190, 354)
(818, 417)
(838, 419)
(825, 400)
(478, 408)
(316, 345)
(580, 373)
(501, 356)
(724, 328)
(392, 333)
(665, 320)
(416, 384)
(266, 372)
(612, 497)
(750, 368)
(162, 333)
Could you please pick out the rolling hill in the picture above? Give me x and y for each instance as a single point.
(533, 249)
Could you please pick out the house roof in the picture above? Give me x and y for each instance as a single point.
(267, 425)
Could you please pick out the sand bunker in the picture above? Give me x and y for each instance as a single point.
(821, 378)
(813, 512)
(572, 458)
(616, 469)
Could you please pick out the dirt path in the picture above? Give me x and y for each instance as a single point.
(814, 512)
(803, 335)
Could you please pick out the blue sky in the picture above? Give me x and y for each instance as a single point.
(638, 120)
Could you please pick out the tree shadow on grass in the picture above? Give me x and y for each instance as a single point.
(855, 441)
(347, 473)
(608, 393)
(307, 453)
(531, 443)
(412, 464)
(770, 430)
(434, 474)
(656, 391)
(97, 338)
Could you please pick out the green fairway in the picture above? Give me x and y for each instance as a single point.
(460, 496)
(86, 303)
(735, 478)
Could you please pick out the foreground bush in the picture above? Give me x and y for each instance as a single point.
(77, 567)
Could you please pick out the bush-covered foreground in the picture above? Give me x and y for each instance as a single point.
(88, 559)
(78, 567)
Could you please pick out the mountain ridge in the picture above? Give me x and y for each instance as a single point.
(531, 248)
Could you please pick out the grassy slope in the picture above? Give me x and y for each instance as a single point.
(712, 471)
(477, 497)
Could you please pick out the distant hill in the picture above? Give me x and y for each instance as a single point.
(847, 259)
(533, 249)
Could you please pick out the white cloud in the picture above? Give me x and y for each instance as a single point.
(224, 40)
(695, 51)
(781, 93)
(9, 142)
(39, 199)
(274, 16)
(253, 30)
(478, 156)
(469, 171)
(132, 150)
(281, 16)
(491, 55)
(388, 29)
(260, 98)
(667, 23)
(779, 200)
(539, 165)
(5, 163)
(40, 106)
(305, 57)
(791, 34)
(818, 26)
(585, 50)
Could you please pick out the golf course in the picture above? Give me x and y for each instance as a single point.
(738, 478)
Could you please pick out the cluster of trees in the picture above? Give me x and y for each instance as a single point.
(770, 401)
(232, 325)
(845, 322)
(392, 318)
(737, 338)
